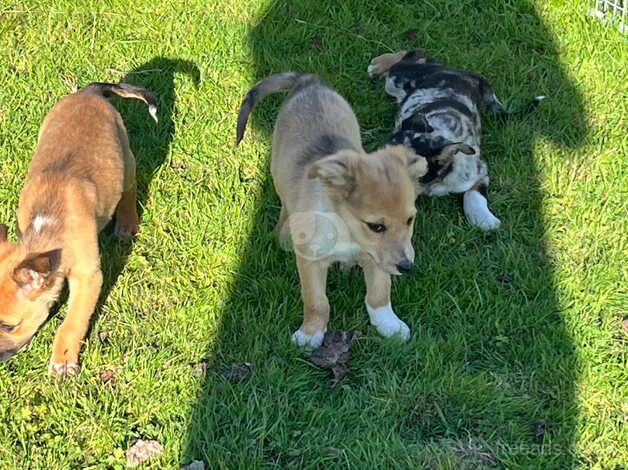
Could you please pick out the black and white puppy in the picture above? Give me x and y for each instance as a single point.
(438, 111)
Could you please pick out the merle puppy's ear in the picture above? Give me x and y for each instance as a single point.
(447, 153)
(4, 233)
(336, 171)
(417, 56)
(417, 123)
(35, 273)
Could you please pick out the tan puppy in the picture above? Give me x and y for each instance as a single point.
(338, 202)
(82, 172)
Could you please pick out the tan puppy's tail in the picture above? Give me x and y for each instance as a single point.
(124, 90)
(271, 84)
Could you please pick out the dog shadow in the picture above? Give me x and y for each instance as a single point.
(150, 143)
(488, 377)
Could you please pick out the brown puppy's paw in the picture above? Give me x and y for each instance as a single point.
(63, 369)
(381, 64)
(125, 231)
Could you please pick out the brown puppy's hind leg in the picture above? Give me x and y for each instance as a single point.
(85, 280)
(283, 230)
(381, 64)
(127, 220)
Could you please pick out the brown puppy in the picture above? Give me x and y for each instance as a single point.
(338, 202)
(82, 172)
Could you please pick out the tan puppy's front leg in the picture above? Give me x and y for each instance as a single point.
(313, 276)
(381, 64)
(127, 220)
(85, 280)
(378, 306)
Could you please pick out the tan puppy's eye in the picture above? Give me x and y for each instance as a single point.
(7, 328)
(377, 228)
(409, 221)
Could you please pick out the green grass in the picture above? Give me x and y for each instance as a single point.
(509, 328)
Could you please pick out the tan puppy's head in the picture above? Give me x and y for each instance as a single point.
(374, 195)
(29, 285)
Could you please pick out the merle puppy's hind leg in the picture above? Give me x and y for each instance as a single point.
(381, 64)
(491, 101)
(495, 106)
(475, 206)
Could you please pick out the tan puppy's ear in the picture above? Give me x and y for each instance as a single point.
(417, 164)
(336, 171)
(4, 233)
(35, 273)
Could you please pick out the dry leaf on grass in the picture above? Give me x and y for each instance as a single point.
(107, 376)
(200, 369)
(335, 353)
(477, 453)
(410, 35)
(317, 42)
(539, 430)
(237, 372)
(143, 451)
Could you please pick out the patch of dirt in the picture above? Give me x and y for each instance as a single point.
(237, 372)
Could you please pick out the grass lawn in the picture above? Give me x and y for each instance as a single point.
(518, 354)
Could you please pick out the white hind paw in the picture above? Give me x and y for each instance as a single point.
(477, 211)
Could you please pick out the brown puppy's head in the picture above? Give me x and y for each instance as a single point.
(374, 195)
(29, 285)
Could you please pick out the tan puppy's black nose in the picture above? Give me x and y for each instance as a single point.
(404, 266)
(6, 355)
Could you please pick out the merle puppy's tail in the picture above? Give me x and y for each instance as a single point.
(124, 90)
(271, 84)
(494, 105)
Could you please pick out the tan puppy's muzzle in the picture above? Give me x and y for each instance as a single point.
(405, 266)
(6, 354)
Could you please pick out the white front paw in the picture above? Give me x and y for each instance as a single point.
(387, 323)
(372, 70)
(302, 339)
(477, 211)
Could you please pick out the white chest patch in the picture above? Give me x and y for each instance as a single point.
(346, 252)
(40, 221)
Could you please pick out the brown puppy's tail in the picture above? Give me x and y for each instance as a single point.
(271, 84)
(124, 90)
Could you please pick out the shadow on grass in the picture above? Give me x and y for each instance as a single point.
(488, 376)
(150, 143)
